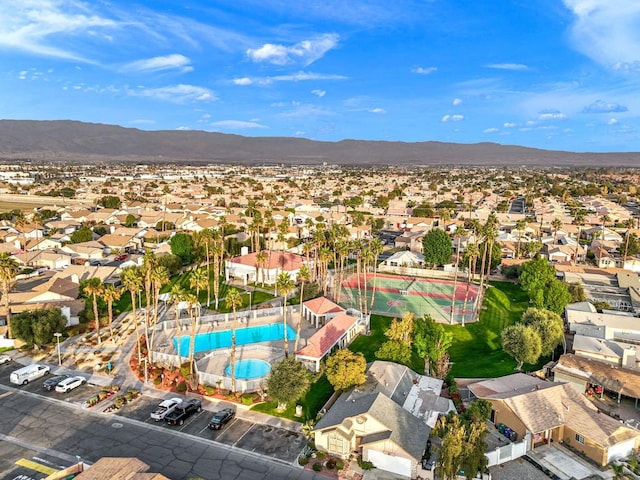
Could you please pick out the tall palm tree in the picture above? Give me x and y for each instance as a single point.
(233, 301)
(217, 250)
(458, 234)
(159, 278)
(285, 285)
(207, 238)
(376, 248)
(149, 261)
(111, 294)
(8, 270)
(176, 295)
(132, 280)
(20, 221)
(557, 225)
(629, 224)
(194, 311)
(521, 225)
(198, 280)
(95, 288)
(472, 253)
(261, 259)
(304, 276)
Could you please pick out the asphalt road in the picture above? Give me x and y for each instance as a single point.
(51, 430)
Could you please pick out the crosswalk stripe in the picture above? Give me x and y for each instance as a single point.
(38, 467)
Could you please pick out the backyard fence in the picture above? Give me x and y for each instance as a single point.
(508, 452)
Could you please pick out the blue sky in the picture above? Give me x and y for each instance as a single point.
(555, 74)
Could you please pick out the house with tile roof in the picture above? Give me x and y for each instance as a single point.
(245, 267)
(318, 311)
(387, 419)
(546, 412)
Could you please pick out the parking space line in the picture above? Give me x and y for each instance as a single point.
(38, 467)
(242, 436)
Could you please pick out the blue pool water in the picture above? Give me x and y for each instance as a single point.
(244, 336)
(248, 369)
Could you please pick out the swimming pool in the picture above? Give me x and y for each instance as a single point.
(244, 336)
(248, 369)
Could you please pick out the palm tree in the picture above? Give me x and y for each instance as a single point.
(521, 225)
(8, 270)
(198, 280)
(233, 301)
(20, 221)
(472, 253)
(176, 295)
(111, 294)
(194, 310)
(304, 276)
(557, 225)
(376, 248)
(132, 280)
(285, 286)
(159, 277)
(95, 288)
(207, 237)
(149, 261)
(629, 224)
(459, 233)
(261, 258)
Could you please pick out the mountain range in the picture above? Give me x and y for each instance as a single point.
(66, 140)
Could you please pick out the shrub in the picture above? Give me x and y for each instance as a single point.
(320, 454)
(317, 467)
(331, 463)
(247, 398)
(181, 387)
(365, 465)
(157, 381)
(302, 461)
(209, 390)
(339, 464)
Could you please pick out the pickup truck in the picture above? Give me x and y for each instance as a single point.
(165, 408)
(183, 411)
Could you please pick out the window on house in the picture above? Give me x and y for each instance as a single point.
(336, 444)
(579, 438)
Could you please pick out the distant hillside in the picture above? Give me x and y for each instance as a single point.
(78, 141)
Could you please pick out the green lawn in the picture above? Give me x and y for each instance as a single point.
(312, 402)
(476, 350)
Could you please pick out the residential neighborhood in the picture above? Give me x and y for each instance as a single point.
(372, 324)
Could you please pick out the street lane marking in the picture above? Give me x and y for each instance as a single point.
(38, 467)
(5, 394)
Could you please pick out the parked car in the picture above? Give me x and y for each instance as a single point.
(221, 418)
(70, 383)
(51, 383)
(24, 375)
(4, 358)
(183, 411)
(164, 408)
(119, 258)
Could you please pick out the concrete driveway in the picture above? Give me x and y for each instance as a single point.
(566, 464)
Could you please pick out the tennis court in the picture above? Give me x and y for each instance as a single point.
(396, 294)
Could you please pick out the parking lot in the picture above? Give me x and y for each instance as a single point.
(241, 432)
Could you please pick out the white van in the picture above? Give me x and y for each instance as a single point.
(24, 375)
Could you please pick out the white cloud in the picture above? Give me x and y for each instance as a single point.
(377, 110)
(607, 31)
(177, 93)
(305, 110)
(551, 115)
(510, 125)
(183, 128)
(490, 130)
(242, 81)
(166, 62)
(600, 106)
(452, 118)
(612, 121)
(425, 71)
(305, 52)
(237, 124)
(508, 66)
(456, 102)
(319, 93)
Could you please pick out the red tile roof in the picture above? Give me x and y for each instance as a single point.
(282, 260)
(324, 339)
(322, 305)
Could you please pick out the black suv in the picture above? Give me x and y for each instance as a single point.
(52, 383)
(222, 417)
(184, 411)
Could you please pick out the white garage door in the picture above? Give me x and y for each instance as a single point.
(398, 465)
(621, 450)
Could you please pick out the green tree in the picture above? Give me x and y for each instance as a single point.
(83, 234)
(130, 220)
(437, 247)
(394, 351)
(401, 330)
(345, 369)
(304, 276)
(287, 382)
(182, 247)
(38, 326)
(285, 285)
(556, 296)
(110, 201)
(523, 343)
(454, 442)
(549, 326)
(111, 294)
(172, 263)
(431, 341)
(577, 292)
